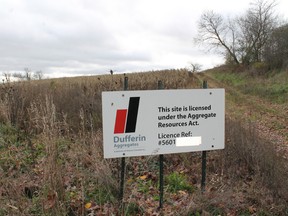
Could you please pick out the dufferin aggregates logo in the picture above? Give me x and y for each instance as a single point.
(125, 122)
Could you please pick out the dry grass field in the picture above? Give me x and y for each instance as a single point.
(51, 157)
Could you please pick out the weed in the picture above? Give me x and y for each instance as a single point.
(144, 186)
(215, 210)
(245, 148)
(133, 209)
(177, 181)
(195, 213)
(36, 208)
(100, 194)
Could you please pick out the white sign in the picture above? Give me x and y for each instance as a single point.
(137, 123)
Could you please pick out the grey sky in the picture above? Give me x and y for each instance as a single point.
(73, 37)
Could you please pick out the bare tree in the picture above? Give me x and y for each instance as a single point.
(7, 76)
(194, 67)
(213, 30)
(255, 27)
(38, 75)
(28, 74)
(20, 76)
(240, 40)
(276, 50)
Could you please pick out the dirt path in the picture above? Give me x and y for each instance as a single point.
(270, 120)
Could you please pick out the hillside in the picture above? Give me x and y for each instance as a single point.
(51, 157)
(258, 99)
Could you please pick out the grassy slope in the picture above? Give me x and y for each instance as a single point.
(61, 169)
(262, 111)
(262, 99)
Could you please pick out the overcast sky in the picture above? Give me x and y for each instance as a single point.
(84, 37)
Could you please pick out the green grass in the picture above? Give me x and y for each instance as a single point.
(272, 86)
(178, 182)
(234, 79)
(16, 154)
(133, 209)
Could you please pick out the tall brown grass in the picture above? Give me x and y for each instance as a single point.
(59, 124)
(248, 154)
(62, 118)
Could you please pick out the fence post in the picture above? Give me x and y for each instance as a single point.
(123, 164)
(161, 167)
(204, 154)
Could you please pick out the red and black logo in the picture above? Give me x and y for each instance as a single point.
(126, 118)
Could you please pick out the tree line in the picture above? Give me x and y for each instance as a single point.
(257, 37)
(26, 75)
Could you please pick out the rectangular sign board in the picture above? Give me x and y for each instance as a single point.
(152, 122)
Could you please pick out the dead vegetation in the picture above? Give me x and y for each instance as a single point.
(52, 161)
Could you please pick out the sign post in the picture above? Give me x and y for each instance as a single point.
(161, 168)
(123, 164)
(204, 154)
(139, 123)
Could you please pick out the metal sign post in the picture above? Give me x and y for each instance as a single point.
(204, 154)
(123, 164)
(158, 122)
(161, 167)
